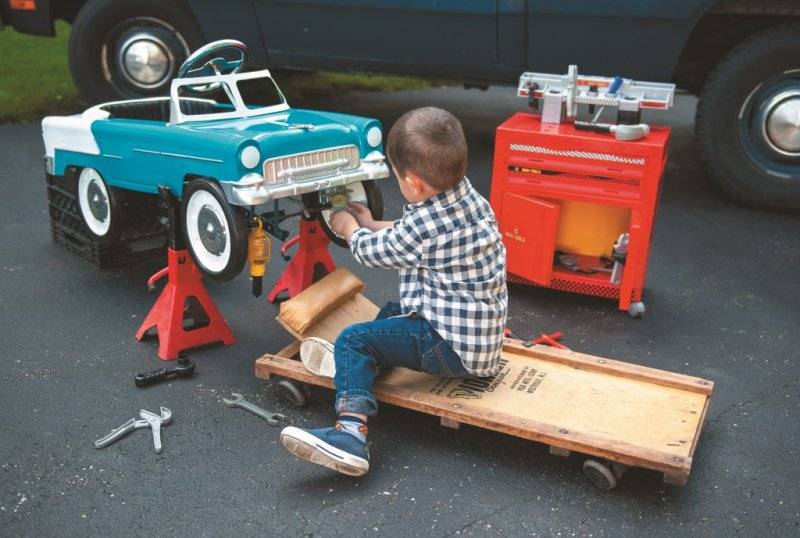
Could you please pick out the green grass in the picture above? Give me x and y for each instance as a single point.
(34, 76)
(35, 80)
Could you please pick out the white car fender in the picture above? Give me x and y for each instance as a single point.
(71, 133)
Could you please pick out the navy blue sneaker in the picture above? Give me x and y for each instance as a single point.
(331, 447)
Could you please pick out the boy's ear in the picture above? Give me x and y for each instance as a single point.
(416, 183)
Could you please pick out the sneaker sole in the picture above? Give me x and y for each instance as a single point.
(307, 447)
(317, 358)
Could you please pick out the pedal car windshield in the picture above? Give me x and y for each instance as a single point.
(228, 96)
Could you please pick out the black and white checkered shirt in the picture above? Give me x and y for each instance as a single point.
(452, 270)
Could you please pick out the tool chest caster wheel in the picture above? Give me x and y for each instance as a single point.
(636, 310)
(600, 475)
(292, 393)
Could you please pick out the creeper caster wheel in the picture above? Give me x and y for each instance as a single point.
(636, 309)
(603, 475)
(292, 393)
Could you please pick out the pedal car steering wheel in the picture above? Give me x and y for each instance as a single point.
(223, 57)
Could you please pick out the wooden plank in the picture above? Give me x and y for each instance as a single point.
(406, 388)
(700, 425)
(618, 368)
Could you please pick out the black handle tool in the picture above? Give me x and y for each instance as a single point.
(183, 368)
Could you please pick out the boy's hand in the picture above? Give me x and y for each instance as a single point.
(343, 224)
(362, 215)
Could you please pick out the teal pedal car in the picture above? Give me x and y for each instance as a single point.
(227, 144)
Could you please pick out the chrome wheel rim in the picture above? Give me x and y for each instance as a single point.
(94, 202)
(141, 55)
(769, 126)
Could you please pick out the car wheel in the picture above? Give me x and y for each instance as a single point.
(216, 232)
(748, 120)
(130, 48)
(99, 205)
(365, 192)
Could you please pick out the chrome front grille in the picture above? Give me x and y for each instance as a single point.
(311, 164)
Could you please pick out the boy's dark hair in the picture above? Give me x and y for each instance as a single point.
(429, 142)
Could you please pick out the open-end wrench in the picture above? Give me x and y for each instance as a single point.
(135, 424)
(239, 401)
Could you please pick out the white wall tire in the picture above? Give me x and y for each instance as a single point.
(216, 232)
(97, 204)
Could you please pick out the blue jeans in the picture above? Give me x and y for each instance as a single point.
(391, 340)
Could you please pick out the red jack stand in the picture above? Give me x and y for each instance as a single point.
(184, 284)
(312, 261)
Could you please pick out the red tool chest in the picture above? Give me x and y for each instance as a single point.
(557, 190)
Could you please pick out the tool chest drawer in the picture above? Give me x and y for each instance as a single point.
(562, 198)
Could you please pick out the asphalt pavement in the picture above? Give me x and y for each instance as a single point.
(722, 303)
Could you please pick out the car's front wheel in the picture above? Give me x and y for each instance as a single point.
(216, 232)
(748, 120)
(324, 203)
(122, 49)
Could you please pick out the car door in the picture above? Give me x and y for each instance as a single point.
(419, 36)
(614, 37)
(131, 152)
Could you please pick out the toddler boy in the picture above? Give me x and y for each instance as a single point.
(453, 299)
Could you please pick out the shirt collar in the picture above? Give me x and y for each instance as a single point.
(445, 198)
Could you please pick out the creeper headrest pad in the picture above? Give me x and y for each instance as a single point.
(320, 299)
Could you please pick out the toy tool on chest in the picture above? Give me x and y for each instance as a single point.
(559, 97)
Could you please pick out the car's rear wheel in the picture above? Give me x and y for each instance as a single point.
(365, 192)
(748, 120)
(216, 232)
(99, 205)
(122, 49)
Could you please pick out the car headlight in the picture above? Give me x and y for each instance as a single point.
(250, 157)
(374, 136)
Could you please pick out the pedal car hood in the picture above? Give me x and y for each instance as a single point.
(293, 131)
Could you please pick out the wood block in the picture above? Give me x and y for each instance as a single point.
(563, 452)
(450, 423)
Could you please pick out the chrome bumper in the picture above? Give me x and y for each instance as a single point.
(252, 190)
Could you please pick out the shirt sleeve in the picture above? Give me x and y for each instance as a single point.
(397, 247)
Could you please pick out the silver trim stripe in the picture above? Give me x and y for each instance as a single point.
(608, 157)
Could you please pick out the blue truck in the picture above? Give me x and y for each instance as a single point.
(739, 56)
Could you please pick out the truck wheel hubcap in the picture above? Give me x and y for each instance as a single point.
(782, 125)
(145, 59)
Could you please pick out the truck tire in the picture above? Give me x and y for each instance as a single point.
(216, 232)
(748, 120)
(123, 49)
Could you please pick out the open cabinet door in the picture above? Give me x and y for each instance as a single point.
(528, 226)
